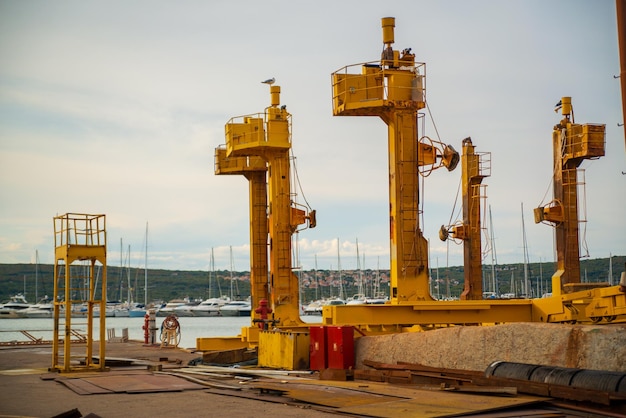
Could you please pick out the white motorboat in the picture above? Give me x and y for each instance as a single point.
(38, 310)
(170, 307)
(121, 311)
(358, 299)
(313, 308)
(11, 308)
(236, 308)
(185, 309)
(209, 307)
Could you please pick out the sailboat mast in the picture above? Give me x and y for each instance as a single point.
(317, 283)
(359, 273)
(610, 270)
(438, 283)
(231, 273)
(526, 289)
(448, 270)
(341, 295)
(145, 285)
(542, 291)
(210, 272)
(377, 281)
(130, 293)
(494, 257)
(121, 268)
(36, 275)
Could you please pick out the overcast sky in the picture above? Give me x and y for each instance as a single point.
(116, 108)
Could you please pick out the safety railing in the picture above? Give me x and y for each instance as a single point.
(79, 229)
(269, 129)
(376, 83)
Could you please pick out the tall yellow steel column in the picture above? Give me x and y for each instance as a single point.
(393, 89)
(472, 200)
(268, 136)
(78, 237)
(254, 169)
(571, 143)
(474, 168)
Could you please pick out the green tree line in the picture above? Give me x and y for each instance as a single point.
(36, 281)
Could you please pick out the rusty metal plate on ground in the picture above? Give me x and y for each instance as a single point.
(129, 384)
(82, 387)
(385, 400)
(440, 404)
(324, 395)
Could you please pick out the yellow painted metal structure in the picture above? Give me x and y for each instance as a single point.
(258, 145)
(572, 143)
(394, 90)
(254, 169)
(284, 349)
(268, 135)
(474, 167)
(79, 237)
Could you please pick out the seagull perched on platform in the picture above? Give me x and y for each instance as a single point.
(269, 81)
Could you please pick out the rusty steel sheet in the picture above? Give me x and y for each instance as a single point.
(82, 387)
(385, 400)
(328, 395)
(440, 404)
(132, 383)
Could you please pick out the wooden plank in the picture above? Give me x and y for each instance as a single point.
(336, 374)
(373, 375)
(229, 356)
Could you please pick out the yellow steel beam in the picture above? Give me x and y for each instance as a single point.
(254, 168)
(429, 313)
(220, 343)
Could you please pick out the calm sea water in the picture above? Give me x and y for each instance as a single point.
(190, 327)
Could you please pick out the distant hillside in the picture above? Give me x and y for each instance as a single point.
(164, 285)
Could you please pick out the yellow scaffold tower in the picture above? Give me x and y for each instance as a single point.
(79, 237)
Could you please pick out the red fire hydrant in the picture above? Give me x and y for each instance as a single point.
(263, 310)
(146, 328)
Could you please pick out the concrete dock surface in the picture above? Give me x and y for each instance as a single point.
(27, 389)
(150, 381)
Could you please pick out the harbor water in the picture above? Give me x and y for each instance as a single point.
(190, 327)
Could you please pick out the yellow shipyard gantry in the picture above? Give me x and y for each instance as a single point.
(394, 89)
(258, 146)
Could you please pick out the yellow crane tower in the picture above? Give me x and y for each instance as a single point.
(254, 169)
(394, 90)
(474, 167)
(266, 137)
(572, 143)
